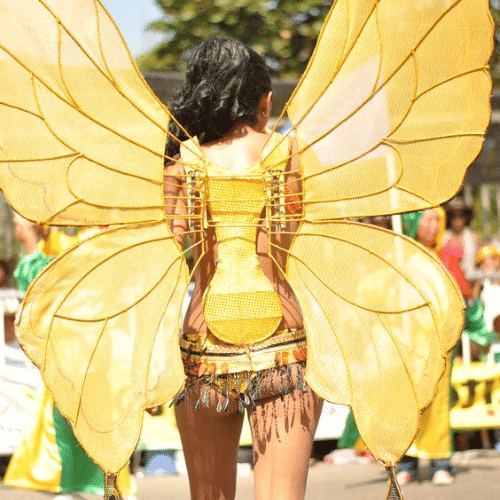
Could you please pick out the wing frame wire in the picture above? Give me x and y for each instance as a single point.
(106, 319)
(381, 85)
(380, 316)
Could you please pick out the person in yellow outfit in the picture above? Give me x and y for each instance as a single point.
(49, 458)
(433, 440)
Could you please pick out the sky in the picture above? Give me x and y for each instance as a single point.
(132, 16)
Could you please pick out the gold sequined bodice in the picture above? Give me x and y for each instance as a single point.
(240, 304)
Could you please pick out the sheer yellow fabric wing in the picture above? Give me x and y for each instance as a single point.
(82, 136)
(380, 318)
(102, 324)
(393, 106)
(389, 114)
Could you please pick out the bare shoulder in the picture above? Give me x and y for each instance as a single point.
(174, 169)
(237, 149)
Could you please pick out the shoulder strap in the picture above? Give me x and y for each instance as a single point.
(276, 153)
(191, 155)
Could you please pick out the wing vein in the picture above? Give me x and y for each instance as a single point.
(99, 69)
(435, 138)
(339, 344)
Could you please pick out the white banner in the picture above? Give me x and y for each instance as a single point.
(332, 421)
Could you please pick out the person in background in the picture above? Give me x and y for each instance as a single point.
(460, 240)
(433, 440)
(5, 274)
(380, 221)
(9, 299)
(49, 458)
(488, 261)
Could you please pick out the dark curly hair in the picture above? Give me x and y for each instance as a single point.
(225, 81)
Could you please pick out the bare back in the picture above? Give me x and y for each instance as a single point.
(237, 153)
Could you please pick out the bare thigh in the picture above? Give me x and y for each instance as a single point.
(283, 431)
(210, 442)
(282, 428)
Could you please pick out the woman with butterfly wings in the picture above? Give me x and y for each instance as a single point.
(388, 115)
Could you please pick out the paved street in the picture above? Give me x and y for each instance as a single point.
(478, 478)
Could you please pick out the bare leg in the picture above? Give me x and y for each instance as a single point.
(210, 441)
(283, 432)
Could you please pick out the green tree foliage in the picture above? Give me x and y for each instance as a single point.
(284, 31)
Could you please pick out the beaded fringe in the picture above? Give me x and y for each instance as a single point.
(244, 387)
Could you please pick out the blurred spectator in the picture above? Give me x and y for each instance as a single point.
(433, 440)
(380, 221)
(5, 274)
(9, 299)
(459, 240)
(49, 458)
(488, 260)
(33, 259)
(53, 242)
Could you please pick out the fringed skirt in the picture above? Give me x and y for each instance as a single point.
(244, 373)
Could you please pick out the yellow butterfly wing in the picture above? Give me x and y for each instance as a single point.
(389, 114)
(82, 137)
(393, 105)
(381, 313)
(82, 141)
(102, 322)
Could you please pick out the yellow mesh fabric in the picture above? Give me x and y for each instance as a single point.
(381, 319)
(395, 97)
(106, 356)
(74, 69)
(240, 304)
